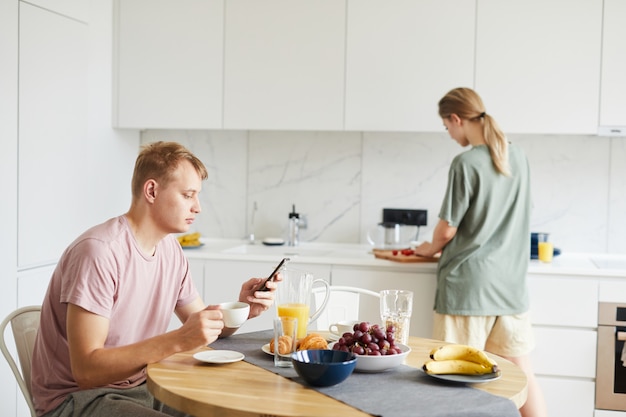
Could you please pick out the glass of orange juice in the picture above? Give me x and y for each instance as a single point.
(293, 297)
(298, 311)
(545, 249)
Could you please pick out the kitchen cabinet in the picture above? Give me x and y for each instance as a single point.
(612, 292)
(376, 279)
(538, 64)
(284, 64)
(196, 64)
(402, 56)
(261, 65)
(169, 62)
(563, 302)
(52, 104)
(613, 87)
(571, 398)
(564, 313)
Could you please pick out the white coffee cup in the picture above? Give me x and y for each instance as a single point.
(341, 327)
(234, 313)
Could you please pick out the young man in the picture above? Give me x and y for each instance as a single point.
(111, 297)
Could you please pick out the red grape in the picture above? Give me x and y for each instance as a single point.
(368, 339)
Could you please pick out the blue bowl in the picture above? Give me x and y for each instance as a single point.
(323, 368)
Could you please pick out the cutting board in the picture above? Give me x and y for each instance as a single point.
(399, 257)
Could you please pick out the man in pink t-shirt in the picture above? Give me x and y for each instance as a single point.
(110, 299)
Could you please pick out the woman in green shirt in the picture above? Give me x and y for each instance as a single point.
(484, 239)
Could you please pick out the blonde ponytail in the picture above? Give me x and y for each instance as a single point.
(497, 144)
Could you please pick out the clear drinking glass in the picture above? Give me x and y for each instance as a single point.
(396, 307)
(285, 328)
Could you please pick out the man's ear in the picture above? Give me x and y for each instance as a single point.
(150, 190)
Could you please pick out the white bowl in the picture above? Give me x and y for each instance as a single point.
(366, 363)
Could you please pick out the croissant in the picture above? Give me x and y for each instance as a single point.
(284, 345)
(312, 341)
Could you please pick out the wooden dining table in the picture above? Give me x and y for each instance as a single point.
(242, 389)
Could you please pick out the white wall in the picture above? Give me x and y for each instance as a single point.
(8, 173)
(342, 180)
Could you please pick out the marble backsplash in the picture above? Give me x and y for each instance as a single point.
(341, 181)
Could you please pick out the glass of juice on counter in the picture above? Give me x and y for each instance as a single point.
(545, 249)
(293, 297)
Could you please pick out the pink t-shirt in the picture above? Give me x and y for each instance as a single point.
(105, 272)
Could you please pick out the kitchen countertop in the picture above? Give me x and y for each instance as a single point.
(358, 255)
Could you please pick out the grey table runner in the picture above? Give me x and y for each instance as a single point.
(401, 392)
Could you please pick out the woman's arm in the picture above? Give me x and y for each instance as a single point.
(442, 234)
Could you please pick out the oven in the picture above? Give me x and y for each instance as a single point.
(611, 357)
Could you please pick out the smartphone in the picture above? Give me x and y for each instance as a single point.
(263, 287)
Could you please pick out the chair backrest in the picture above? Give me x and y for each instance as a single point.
(345, 304)
(24, 324)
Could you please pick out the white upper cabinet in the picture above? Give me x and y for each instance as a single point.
(169, 64)
(613, 92)
(367, 65)
(538, 64)
(402, 57)
(284, 64)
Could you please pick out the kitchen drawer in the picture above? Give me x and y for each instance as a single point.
(612, 292)
(568, 397)
(565, 352)
(563, 301)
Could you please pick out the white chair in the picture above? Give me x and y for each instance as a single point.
(346, 303)
(24, 324)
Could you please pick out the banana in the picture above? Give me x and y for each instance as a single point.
(463, 352)
(191, 239)
(455, 366)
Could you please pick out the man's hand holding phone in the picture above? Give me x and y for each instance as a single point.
(263, 286)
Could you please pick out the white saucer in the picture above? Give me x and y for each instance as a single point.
(219, 356)
(332, 337)
(266, 348)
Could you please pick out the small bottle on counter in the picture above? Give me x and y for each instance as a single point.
(294, 227)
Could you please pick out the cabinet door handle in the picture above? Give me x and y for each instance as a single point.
(621, 336)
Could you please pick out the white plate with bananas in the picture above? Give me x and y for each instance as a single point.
(199, 245)
(461, 363)
(466, 379)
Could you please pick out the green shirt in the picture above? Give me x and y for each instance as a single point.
(482, 270)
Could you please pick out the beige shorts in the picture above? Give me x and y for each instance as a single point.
(509, 336)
